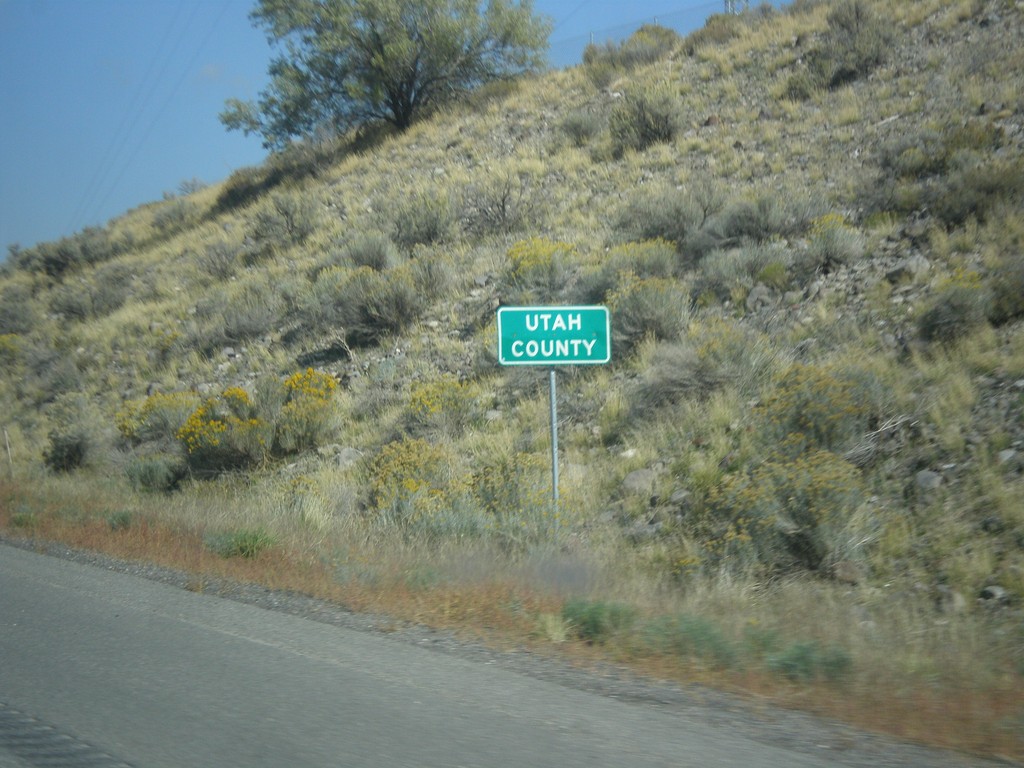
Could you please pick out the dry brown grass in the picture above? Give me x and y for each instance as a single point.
(509, 602)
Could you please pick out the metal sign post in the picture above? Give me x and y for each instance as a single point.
(553, 336)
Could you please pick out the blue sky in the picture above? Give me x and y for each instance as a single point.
(108, 104)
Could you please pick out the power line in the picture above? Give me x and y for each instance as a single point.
(160, 112)
(130, 117)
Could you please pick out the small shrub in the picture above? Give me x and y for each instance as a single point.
(412, 484)
(18, 313)
(514, 492)
(582, 126)
(120, 520)
(722, 272)
(831, 243)
(504, 203)
(423, 218)
(369, 305)
(803, 662)
(174, 216)
(605, 62)
(68, 449)
(247, 314)
(689, 637)
(676, 373)
(597, 621)
(287, 220)
(156, 472)
(219, 260)
(643, 118)
(370, 249)
(224, 434)
(307, 417)
(783, 515)
(74, 438)
(718, 30)
(247, 543)
(958, 307)
(657, 308)
(537, 270)
(1007, 287)
(157, 417)
(440, 404)
(812, 406)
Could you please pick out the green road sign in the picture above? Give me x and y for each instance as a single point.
(554, 336)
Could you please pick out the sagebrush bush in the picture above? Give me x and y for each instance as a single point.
(782, 515)
(219, 259)
(676, 372)
(286, 220)
(643, 117)
(423, 218)
(505, 202)
(655, 308)
(1007, 290)
(74, 437)
(514, 493)
(722, 272)
(811, 406)
(606, 61)
(856, 42)
(661, 213)
(156, 471)
(583, 126)
(174, 216)
(18, 313)
(960, 305)
(831, 243)
(537, 270)
(598, 621)
(248, 313)
(369, 249)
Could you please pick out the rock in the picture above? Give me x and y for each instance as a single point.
(1009, 458)
(643, 532)
(926, 480)
(639, 482)
(847, 572)
(996, 594)
(760, 296)
(348, 457)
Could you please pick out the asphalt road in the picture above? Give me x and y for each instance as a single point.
(101, 669)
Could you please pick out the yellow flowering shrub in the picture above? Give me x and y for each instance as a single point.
(413, 485)
(224, 433)
(443, 404)
(515, 493)
(156, 417)
(783, 514)
(308, 414)
(536, 268)
(811, 406)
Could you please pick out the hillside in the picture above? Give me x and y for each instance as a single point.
(800, 475)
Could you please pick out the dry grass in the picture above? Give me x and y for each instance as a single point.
(936, 681)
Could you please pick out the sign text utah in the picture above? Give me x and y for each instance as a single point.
(553, 336)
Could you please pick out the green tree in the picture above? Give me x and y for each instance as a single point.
(347, 62)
